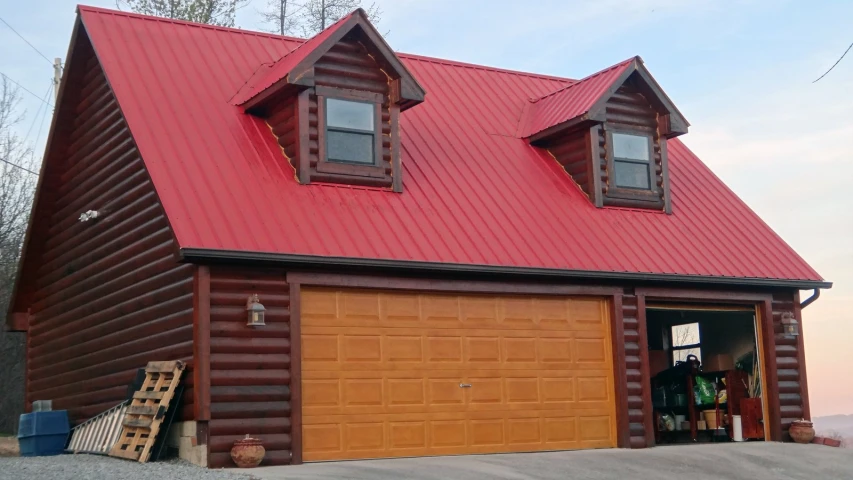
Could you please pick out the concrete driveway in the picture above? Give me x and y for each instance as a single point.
(752, 461)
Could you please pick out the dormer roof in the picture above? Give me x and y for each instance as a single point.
(585, 100)
(296, 68)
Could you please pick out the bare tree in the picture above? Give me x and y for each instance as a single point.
(312, 16)
(283, 15)
(17, 184)
(214, 12)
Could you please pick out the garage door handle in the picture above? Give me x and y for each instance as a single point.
(464, 385)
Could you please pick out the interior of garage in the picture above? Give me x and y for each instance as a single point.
(705, 374)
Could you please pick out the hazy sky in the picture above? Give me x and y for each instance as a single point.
(741, 72)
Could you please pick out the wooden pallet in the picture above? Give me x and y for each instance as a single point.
(146, 411)
(99, 433)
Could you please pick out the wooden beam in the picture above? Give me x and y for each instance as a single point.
(770, 392)
(664, 159)
(702, 295)
(303, 151)
(201, 343)
(620, 375)
(396, 154)
(645, 374)
(801, 358)
(295, 373)
(402, 283)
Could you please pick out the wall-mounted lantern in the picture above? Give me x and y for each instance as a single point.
(255, 311)
(790, 325)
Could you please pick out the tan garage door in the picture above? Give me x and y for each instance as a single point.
(388, 374)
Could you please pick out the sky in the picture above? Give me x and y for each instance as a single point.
(740, 71)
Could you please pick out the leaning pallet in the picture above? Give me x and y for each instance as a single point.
(99, 433)
(146, 411)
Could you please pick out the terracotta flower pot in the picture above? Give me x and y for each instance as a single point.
(802, 431)
(247, 452)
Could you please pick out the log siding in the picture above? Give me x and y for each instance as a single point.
(104, 296)
(249, 367)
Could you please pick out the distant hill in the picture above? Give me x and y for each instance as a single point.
(840, 424)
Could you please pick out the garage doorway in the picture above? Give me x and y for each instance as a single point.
(706, 375)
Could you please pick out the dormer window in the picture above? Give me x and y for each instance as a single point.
(609, 133)
(631, 154)
(350, 131)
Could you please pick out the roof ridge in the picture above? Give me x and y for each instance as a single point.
(457, 63)
(155, 18)
(588, 77)
(410, 56)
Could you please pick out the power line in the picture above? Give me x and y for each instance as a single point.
(35, 117)
(836, 63)
(7, 77)
(25, 40)
(18, 166)
(38, 135)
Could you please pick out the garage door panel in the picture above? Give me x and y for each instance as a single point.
(478, 312)
(444, 350)
(593, 389)
(591, 350)
(594, 428)
(387, 374)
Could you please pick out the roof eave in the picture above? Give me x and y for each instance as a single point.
(201, 255)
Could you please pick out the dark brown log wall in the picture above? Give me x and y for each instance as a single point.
(105, 296)
(572, 152)
(628, 110)
(249, 366)
(283, 122)
(790, 364)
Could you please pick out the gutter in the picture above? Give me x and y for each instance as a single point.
(201, 255)
(811, 299)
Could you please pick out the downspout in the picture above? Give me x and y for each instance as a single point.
(811, 299)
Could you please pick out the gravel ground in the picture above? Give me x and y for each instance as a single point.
(96, 467)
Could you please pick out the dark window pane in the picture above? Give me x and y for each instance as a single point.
(632, 175)
(632, 147)
(349, 147)
(344, 114)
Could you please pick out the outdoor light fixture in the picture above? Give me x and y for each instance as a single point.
(789, 325)
(255, 311)
(89, 215)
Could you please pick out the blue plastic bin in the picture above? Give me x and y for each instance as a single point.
(43, 433)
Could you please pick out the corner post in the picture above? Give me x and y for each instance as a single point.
(771, 382)
(801, 358)
(295, 376)
(645, 373)
(201, 344)
(620, 375)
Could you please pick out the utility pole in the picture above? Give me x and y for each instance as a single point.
(322, 15)
(57, 75)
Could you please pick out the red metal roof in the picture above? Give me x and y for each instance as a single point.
(570, 101)
(474, 193)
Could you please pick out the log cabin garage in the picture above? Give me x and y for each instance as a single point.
(362, 253)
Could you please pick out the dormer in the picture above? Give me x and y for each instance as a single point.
(609, 132)
(334, 105)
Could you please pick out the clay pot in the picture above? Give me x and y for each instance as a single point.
(248, 452)
(802, 431)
